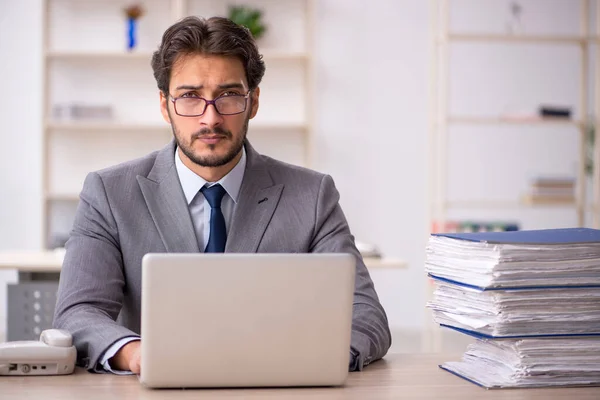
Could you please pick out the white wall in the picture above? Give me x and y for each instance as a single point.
(20, 132)
(371, 135)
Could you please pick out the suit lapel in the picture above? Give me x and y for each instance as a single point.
(258, 199)
(166, 202)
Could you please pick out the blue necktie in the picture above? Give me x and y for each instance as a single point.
(218, 232)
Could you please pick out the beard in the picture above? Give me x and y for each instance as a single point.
(212, 160)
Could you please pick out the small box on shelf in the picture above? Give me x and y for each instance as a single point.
(549, 111)
(551, 191)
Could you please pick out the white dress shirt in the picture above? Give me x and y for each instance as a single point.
(197, 204)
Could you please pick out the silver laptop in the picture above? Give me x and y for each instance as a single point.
(246, 320)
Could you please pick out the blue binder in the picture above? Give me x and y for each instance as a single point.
(442, 366)
(514, 386)
(532, 237)
(479, 335)
(506, 288)
(562, 236)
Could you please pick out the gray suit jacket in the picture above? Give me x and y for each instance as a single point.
(139, 207)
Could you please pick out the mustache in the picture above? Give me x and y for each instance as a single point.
(214, 131)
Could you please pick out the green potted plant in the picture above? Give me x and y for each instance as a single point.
(590, 137)
(249, 17)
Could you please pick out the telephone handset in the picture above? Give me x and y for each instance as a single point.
(53, 354)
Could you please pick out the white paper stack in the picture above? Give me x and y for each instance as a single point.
(532, 298)
(521, 312)
(530, 363)
(489, 265)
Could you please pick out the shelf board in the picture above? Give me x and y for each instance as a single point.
(32, 261)
(92, 126)
(78, 126)
(284, 55)
(483, 204)
(530, 201)
(75, 55)
(277, 126)
(66, 197)
(506, 204)
(473, 37)
(512, 121)
(384, 263)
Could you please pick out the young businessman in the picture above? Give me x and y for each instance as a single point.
(208, 190)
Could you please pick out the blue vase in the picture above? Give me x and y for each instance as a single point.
(131, 33)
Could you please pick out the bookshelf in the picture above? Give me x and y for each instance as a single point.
(85, 62)
(445, 123)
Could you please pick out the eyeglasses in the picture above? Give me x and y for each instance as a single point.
(195, 106)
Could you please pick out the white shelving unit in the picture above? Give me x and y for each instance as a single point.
(85, 62)
(441, 119)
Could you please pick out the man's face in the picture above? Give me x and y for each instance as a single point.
(212, 139)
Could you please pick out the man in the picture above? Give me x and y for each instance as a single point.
(208, 190)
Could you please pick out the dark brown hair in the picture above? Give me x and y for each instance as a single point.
(214, 36)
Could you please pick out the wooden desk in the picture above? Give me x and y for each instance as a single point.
(397, 376)
(34, 261)
(51, 261)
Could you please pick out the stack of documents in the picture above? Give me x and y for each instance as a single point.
(530, 363)
(557, 257)
(527, 296)
(519, 312)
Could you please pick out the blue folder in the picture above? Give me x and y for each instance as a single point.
(507, 288)
(527, 237)
(479, 335)
(514, 386)
(540, 236)
(442, 366)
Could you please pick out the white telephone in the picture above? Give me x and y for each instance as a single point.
(53, 354)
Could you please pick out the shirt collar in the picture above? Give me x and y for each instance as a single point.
(192, 183)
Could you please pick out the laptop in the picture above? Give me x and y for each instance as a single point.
(246, 320)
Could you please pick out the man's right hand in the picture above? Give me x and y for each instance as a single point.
(128, 358)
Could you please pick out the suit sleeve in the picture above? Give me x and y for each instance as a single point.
(371, 336)
(90, 292)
